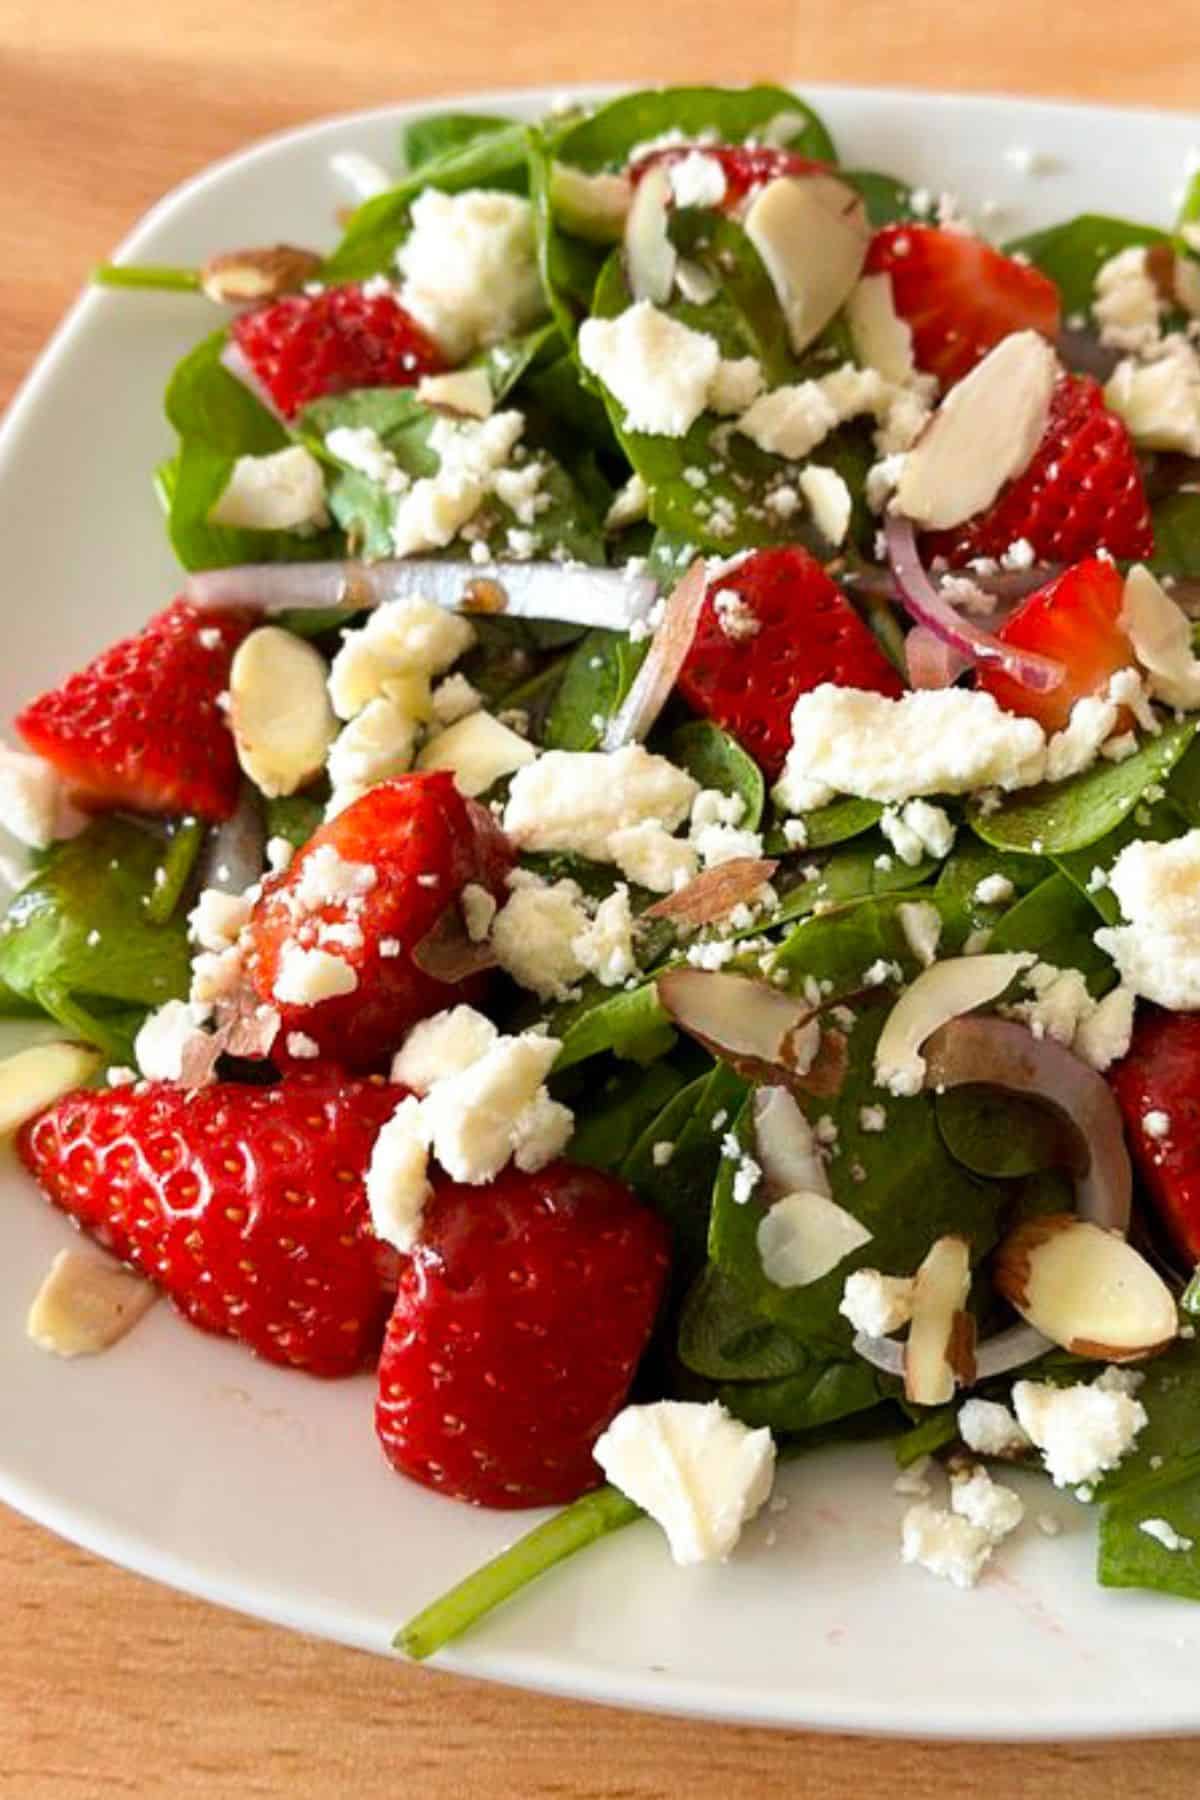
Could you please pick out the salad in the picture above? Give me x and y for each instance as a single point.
(647, 886)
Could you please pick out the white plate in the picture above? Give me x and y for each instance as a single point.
(183, 1458)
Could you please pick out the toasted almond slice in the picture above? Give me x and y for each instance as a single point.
(785, 1146)
(279, 710)
(237, 277)
(940, 993)
(715, 892)
(803, 1236)
(1086, 1289)
(478, 751)
(650, 256)
(811, 232)
(940, 1347)
(87, 1303)
(590, 206)
(982, 435)
(464, 391)
(882, 339)
(34, 1079)
(749, 1023)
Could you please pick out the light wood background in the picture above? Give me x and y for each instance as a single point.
(110, 1686)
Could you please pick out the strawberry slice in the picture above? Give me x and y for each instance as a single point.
(307, 345)
(1076, 619)
(958, 296)
(499, 1369)
(366, 889)
(745, 167)
(1081, 493)
(246, 1204)
(1157, 1086)
(771, 629)
(141, 727)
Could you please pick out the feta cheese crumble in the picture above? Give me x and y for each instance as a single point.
(1157, 949)
(1083, 1430)
(469, 268)
(577, 799)
(663, 373)
(695, 1469)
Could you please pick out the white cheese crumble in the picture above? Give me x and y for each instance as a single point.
(663, 373)
(306, 977)
(948, 740)
(409, 638)
(876, 1304)
(918, 830)
(829, 502)
(921, 923)
(478, 911)
(988, 1428)
(470, 269)
(1157, 950)
(576, 799)
(944, 1543)
(284, 491)
(453, 698)
(30, 796)
(534, 936)
(478, 751)
(1127, 305)
(397, 1181)
(163, 1044)
(440, 1046)
(471, 461)
(1081, 1430)
(649, 855)
(696, 1470)
(217, 919)
(696, 180)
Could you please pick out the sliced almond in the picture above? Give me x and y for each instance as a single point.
(939, 1351)
(811, 232)
(716, 892)
(1086, 1289)
(279, 710)
(34, 1079)
(785, 1146)
(939, 994)
(982, 435)
(749, 1023)
(237, 277)
(650, 256)
(477, 751)
(802, 1237)
(467, 392)
(590, 206)
(882, 339)
(87, 1303)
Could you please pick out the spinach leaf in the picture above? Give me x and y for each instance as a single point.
(429, 139)
(713, 759)
(1168, 1447)
(496, 159)
(901, 1183)
(294, 817)
(680, 1190)
(1159, 822)
(1177, 536)
(836, 823)
(218, 420)
(838, 947)
(569, 265)
(630, 1023)
(817, 1398)
(928, 1436)
(1129, 1557)
(1057, 923)
(619, 1111)
(1071, 254)
(969, 863)
(605, 138)
(1001, 1136)
(576, 415)
(1058, 817)
(887, 200)
(179, 860)
(722, 1337)
(598, 675)
(849, 876)
(78, 930)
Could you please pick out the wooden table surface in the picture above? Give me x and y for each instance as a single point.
(110, 1685)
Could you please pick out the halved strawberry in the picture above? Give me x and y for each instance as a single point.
(1076, 618)
(246, 1204)
(745, 167)
(771, 629)
(141, 726)
(520, 1320)
(1081, 493)
(958, 296)
(308, 345)
(1157, 1086)
(366, 889)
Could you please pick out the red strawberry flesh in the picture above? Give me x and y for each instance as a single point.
(306, 346)
(246, 1204)
(1157, 1086)
(1076, 620)
(519, 1323)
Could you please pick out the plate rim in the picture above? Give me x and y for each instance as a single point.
(543, 1670)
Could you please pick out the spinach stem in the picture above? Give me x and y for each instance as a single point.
(147, 275)
(178, 861)
(575, 1526)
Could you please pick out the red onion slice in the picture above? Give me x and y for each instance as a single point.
(447, 953)
(235, 363)
(715, 893)
(931, 662)
(1005, 585)
(1083, 354)
(654, 680)
(929, 608)
(234, 855)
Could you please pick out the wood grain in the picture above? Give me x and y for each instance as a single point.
(110, 1686)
